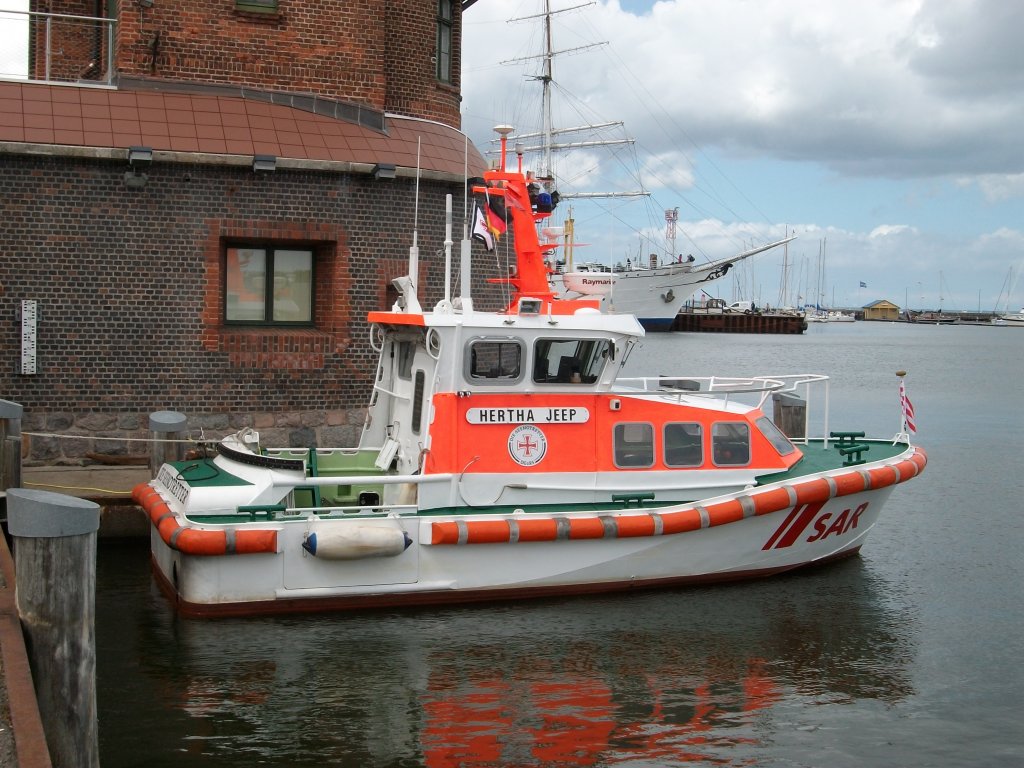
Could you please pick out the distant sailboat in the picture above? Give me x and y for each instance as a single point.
(1007, 318)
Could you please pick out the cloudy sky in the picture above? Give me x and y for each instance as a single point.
(888, 134)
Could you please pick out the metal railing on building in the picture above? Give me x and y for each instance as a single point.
(57, 47)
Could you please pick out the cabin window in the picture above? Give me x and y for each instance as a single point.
(634, 445)
(405, 350)
(267, 285)
(569, 361)
(730, 443)
(775, 436)
(443, 55)
(684, 445)
(494, 361)
(417, 402)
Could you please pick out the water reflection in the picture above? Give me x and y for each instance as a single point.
(660, 678)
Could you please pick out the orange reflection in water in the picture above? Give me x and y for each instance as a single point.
(579, 721)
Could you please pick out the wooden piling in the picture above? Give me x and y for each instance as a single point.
(55, 573)
(166, 426)
(789, 413)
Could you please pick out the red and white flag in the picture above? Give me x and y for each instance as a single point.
(908, 409)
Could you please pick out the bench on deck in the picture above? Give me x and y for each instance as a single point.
(849, 448)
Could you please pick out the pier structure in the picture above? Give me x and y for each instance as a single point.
(738, 322)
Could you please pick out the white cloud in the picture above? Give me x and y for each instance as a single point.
(999, 186)
(898, 88)
(888, 230)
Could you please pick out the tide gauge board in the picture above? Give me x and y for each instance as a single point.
(29, 314)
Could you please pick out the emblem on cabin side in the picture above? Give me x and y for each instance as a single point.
(527, 445)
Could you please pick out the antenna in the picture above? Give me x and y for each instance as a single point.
(465, 246)
(447, 250)
(414, 249)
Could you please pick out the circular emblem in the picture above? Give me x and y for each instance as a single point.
(527, 445)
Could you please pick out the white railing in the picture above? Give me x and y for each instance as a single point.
(56, 47)
(761, 387)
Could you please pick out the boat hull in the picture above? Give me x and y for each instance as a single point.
(465, 558)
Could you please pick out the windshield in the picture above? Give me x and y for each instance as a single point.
(569, 361)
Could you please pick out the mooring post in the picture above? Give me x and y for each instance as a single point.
(55, 577)
(166, 427)
(10, 449)
(790, 415)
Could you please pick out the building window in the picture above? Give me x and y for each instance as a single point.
(256, 6)
(267, 285)
(444, 41)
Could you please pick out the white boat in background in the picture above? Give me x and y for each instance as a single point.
(654, 293)
(505, 455)
(835, 316)
(1010, 319)
(1013, 319)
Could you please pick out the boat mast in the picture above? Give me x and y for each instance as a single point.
(548, 132)
(671, 218)
(545, 78)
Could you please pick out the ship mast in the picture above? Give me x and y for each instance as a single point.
(548, 132)
(546, 79)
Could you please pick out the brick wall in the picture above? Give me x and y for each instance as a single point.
(128, 287)
(367, 51)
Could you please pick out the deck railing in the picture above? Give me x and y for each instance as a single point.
(57, 47)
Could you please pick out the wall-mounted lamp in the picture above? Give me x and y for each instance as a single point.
(134, 179)
(145, 3)
(140, 157)
(383, 171)
(264, 163)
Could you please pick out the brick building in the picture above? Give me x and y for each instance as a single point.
(201, 201)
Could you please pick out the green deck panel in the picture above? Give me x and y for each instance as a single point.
(349, 463)
(817, 459)
(203, 473)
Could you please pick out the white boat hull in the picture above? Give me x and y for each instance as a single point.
(461, 558)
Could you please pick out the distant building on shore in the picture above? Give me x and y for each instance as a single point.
(882, 309)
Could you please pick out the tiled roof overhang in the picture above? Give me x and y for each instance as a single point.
(84, 121)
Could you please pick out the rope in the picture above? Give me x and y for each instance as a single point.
(79, 488)
(190, 441)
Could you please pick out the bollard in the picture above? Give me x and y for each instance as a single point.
(790, 415)
(55, 584)
(10, 449)
(166, 425)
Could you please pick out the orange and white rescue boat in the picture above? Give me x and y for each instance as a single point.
(504, 456)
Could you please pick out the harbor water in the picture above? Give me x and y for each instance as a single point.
(909, 655)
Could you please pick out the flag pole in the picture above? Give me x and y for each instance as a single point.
(906, 412)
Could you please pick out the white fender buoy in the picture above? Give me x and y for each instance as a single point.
(354, 542)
